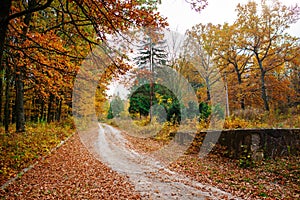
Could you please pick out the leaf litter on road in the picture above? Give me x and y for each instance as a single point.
(71, 172)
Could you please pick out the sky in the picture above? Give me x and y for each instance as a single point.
(181, 17)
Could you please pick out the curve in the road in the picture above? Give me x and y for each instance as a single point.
(150, 178)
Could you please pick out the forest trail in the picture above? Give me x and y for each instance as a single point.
(150, 178)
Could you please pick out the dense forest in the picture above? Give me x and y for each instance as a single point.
(44, 43)
(255, 58)
(58, 65)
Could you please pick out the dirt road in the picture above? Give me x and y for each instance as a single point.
(149, 176)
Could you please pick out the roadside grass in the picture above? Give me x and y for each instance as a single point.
(260, 119)
(20, 150)
(140, 128)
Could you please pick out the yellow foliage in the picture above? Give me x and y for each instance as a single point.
(235, 123)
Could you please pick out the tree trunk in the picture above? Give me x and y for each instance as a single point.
(1, 93)
(227, 98)
(20, 73)
(49, 108)
(34, 110)
(13, 107)
(151, 78)
(4, 13)
(264, 92)
(58, 113)
(69, 103)
(242, 100)
(151, 99)
(20, 115)
(7, 100)
(208, 98)
(263, 86)
(42, 117)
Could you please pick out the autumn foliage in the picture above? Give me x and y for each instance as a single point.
(256, 58)
(44, 43)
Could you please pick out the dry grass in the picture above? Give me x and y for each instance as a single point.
(19, 150)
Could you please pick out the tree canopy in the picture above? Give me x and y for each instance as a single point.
(43, 42)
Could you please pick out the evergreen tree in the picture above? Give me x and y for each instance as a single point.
(151, 54)
(110, 113)
(115, 108)
(140, 103)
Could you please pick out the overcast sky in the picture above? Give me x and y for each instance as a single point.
(181, 17)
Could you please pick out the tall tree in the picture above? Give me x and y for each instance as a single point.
(151, 55)
(202, 52)
(231, 54)
(265, 36)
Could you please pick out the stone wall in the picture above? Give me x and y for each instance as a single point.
(260, 142)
